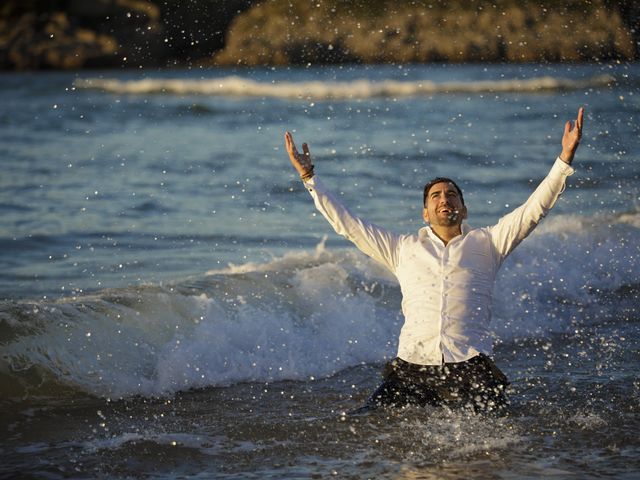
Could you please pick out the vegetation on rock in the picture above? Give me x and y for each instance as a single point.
(337, 31)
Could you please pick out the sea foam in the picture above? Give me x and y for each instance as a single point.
(306, 314)
(318, 90)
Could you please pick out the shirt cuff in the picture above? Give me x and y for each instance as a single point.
(563, 167)
(310, 182)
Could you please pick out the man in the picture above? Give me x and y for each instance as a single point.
(446, 273)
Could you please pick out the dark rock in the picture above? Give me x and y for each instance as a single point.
(50, 41)
(70, 34)
(86, 34)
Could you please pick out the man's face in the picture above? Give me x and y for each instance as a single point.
(444, 206)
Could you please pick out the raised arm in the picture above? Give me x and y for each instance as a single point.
(517, 225)
(374, 241)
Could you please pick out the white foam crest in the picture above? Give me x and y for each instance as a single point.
(632, 219)
(570, 271)
(104, 347)
(307, 321)
(295, 260)
(302, 315)
(319, 327)
(355, 89)
(288, 260)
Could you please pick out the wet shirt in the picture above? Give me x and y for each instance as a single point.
(446, 289)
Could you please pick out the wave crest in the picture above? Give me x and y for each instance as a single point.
(319, 90)
(301, 315)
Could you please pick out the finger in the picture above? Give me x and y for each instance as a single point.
(291, 146)
(567, 128)
(305, 149)
(287, 140)
(580, 117)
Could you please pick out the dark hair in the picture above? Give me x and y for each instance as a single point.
(431, 183)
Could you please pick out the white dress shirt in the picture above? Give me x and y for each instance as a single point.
(446, 290)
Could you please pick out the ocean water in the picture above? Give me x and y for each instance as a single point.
(171, 305)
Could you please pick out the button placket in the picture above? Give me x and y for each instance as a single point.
(443, 297)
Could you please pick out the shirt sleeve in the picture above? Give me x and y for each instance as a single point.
(517, 225)
(372, 240)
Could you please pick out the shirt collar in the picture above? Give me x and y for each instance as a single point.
(427, 231)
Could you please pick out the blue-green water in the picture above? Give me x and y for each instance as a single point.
(155, 240)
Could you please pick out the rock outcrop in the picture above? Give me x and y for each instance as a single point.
(43, 35)
(299, 32)
(72, 34)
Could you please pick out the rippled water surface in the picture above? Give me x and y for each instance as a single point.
(173, 307)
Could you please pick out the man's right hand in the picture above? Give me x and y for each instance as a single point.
(301, 162)
(571, 138)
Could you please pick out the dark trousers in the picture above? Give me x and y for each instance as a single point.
(476, 384)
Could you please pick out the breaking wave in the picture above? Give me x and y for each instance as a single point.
(356, 89)
(303, 315)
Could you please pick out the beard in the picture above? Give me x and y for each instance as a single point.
(453, 217)
(450, 219)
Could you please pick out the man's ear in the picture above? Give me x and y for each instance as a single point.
(464, 212)
(425, 214)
